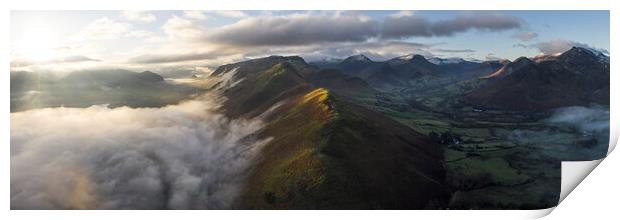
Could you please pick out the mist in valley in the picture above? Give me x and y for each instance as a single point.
(571, 133)
(184, 156)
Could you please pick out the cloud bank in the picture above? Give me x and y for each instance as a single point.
(176, 157)
(231, 14)
(167, 58)
(560, 46)
(105, 29)
(592, 123)
(580, 133)
(590, 120)
(302, 29)
(196, 15)
(186, 39)
(419, 26)
(67, 59)
(141, 16)
(525, 36)
(296, 29)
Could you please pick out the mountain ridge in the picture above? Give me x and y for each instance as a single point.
(576, 77)
(325, 151)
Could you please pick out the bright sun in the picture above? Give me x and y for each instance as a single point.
(36, 43)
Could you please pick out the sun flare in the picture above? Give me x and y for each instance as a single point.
(36, 44)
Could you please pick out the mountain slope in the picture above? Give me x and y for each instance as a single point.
(338, 82)
(118, 77)
(93, 87)
(417, 63)
(326, 152)
(509, 68)
(577, 77)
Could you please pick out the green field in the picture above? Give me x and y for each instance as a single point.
(505, 159)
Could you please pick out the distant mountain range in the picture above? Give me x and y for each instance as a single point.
(406, 70)
(116, 87)
(575, 77)
(580, 76)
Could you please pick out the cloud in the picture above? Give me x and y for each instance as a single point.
(217, 55)
(196, 15)
(141, 16)
(178, 27)
(67, 59)
(232, 14)
(105, 29)
(140, 34)
(71, 59)
(593, 119)
(22, 63)
(401, 14)
(313, 35)
(203, 70)
(591, 122)
(296, 29)
(68, 47)
(419, 26)
(525, 36)
(168, 58)
(588, 128)
(521, 45)
(176, 157)
(491, 56)
(455, 50)
(554, 46)
(560, 46)
(320, 35)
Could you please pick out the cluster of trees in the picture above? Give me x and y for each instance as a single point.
(446, 138)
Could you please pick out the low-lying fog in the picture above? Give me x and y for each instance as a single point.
(182, 156)
(583, 133)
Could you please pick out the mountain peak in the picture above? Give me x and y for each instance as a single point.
(576, 49)
(584, 53)
(410, 57)
(358, 58)
(419, 59)
(510, 67)
(287, 58)
(151, 76)
(522, 60)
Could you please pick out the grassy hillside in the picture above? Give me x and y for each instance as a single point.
(331, 154)
(326, 152)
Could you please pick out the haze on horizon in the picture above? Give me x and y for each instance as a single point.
(199, 41)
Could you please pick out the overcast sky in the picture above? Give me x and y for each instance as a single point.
(198, 41)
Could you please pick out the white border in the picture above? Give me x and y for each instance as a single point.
(586, 207)
(310, 5)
